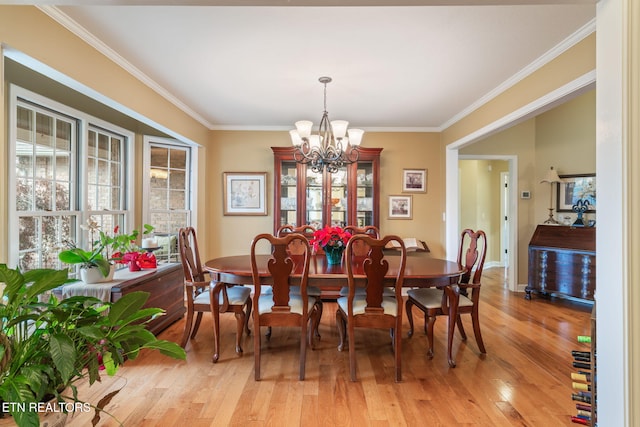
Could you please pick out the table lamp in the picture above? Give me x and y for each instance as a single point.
(552, 178)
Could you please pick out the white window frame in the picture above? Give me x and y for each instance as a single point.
(192, 182)
(85, 122)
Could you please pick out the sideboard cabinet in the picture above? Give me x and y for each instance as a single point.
(350, 196)
(562, 260)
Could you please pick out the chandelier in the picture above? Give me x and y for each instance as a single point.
(330, 148)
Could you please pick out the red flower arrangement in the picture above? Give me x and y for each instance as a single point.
(330, 239)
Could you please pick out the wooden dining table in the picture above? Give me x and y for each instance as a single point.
(420, 271)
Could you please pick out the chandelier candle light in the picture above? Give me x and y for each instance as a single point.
(330, 148)
(552, 178)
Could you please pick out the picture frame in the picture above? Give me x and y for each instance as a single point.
(400, 207)
(414, 180)
(576, 187)
(244, 193)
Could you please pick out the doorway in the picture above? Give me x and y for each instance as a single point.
(484, 204)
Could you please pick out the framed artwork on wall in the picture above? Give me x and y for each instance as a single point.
(244, 193)
(399, 207)
(414, 180)
(576, 187)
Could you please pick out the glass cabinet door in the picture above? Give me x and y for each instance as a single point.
(364, 194)
(288, 193)
(315, 199)
(338, 198)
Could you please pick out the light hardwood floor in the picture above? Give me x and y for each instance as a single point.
(524, 379)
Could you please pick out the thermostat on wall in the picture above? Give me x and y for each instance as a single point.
(525, 195)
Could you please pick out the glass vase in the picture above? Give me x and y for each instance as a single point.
(334, 256)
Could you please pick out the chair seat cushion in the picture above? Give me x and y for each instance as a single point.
(237, 295)
(265, 303)
(359, 303)
(344, 291)
(431, 298)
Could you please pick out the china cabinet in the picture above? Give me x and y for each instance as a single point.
(350, 196)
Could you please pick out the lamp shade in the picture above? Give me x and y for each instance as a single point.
(551, 177)
(304, 128)
(355, 137)
(295, 138)
(339, 128)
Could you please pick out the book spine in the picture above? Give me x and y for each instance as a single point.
(576, 376)
(582, 365)
(581, 386)
(583, 407)
(578, 420)
(577, 353)
(580, 398)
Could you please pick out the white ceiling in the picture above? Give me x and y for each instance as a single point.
(394, 68)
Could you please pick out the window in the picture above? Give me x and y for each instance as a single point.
(168, 201)
(68, 167)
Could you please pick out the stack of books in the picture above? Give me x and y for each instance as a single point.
(581, 382)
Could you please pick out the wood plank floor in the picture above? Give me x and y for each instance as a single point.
(523, 380)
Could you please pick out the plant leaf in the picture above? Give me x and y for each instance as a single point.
(127, 306)
(168, 348)
(63, 355)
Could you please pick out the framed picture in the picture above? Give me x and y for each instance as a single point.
(244, 193)
(399, 207)
(576, 187)
(414, 180)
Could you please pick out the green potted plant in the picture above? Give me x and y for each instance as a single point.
(95, 266)
(47, 345)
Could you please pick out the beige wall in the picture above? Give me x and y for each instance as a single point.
(250, 151)
(480, 195)
(566, 140)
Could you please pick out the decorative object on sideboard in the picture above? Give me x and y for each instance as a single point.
(580, 207)
(552, 178)
(330, 148)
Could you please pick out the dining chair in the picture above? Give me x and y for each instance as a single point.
(433, 302)
(297, 248)
(370, 230)
(371, 309)
(203, 295)
(282, 307)
(361, 249)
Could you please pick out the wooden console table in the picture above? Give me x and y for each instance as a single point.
(165, 286)
(562, 260)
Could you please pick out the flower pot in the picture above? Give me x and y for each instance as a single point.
(92, 275)
(334, 256)
(133, 265)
